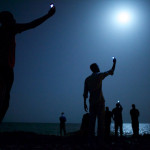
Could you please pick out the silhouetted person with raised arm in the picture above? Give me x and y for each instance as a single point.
(8, 30)
(117, 116)
(135, 121)
(93, 85)
(108, 116)
(63, 120)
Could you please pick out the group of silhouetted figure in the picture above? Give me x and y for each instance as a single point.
(92, 85)
(116, 115)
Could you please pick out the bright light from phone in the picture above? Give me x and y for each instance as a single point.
(51, 5)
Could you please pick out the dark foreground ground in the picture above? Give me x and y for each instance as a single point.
(27, 141)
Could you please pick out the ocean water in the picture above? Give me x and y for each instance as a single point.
(53, 128)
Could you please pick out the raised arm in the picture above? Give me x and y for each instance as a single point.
(111, 71)
(114, 64)
(26, 26)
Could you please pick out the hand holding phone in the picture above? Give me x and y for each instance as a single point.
(114, 59)
(51, 5)
(52, 9)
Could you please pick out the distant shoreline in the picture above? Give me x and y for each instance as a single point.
(54, 128)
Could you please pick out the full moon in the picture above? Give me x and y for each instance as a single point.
(123, 17)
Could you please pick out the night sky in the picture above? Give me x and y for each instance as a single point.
(52, 60)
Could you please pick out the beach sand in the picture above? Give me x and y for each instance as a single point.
(27, 140)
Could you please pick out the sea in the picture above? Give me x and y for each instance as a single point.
(53, 128)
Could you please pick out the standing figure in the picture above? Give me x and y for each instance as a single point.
(117, 116)
(108, 116)
(93, 85)
(62, 119)
(8, 30)
(135, 122)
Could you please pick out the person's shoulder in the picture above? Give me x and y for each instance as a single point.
(89, 77)
(102, 75)
(113, 109)
(93, 75)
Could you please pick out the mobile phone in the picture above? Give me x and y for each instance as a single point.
(51, 5)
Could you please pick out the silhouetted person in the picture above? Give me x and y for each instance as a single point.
(117, 116)
(135, 122)
(93, 85)
(85, 125)
(108, 116)
(63, 120)
(8, 30)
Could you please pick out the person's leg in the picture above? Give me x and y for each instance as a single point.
(92, 120)
(116, 129)
(2, 95)
(121, 129)
(133, 128)
(60, 130)
(6, 81)
(101, 121)
(64, 129)
(137, 128)
(109, 129)
(106, 129)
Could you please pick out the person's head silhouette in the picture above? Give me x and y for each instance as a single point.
(6, 18)
(94, 68)
(133, 106)
(107, 108)
(117, 105)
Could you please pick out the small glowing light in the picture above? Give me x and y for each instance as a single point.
(124, 17)
(51, 5)
(113, 57)
(118, 101)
